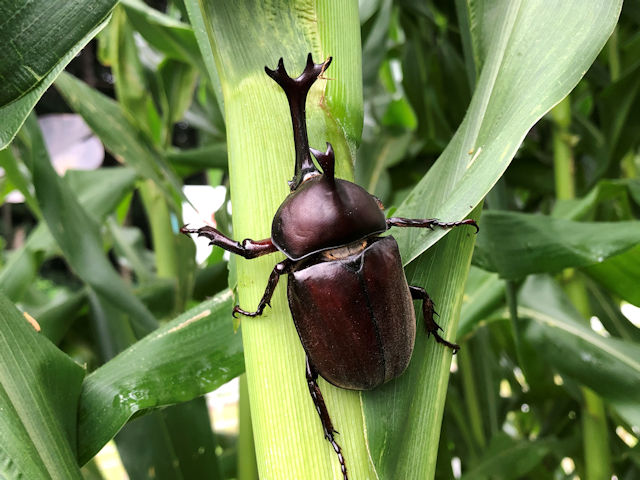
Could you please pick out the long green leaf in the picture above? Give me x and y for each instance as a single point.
(56, 316)
(483, 294)
(605, 190)
(173, 38)
(187, 357)
(509, 459)
(403, 417)
(118, 133)
(531, 58)
(202, 31)
(98, 191)
(39, 390)
(517, 244)
(15, 113)
(101, 191)
(607, 308)
(556, 331)
(534, 56)
(208, 156)
(620, 274)
(160, 443)
(37, 34)
(17, 176)
(78, 235)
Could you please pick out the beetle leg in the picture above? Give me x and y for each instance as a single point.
(323, 413)
(419, 293)
(247, 248)
(428, 223)
(280, 269)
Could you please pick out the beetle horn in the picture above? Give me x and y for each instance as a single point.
(296, 90)
(327, 161)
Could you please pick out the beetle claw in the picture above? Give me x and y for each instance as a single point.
(471, 222)
(330, 436)
(237, 309)
(186, 230)
(453, 346)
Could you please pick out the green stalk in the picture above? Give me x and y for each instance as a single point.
(244, 37)
(512, 302)
(498, 200)
(132, 93)
(414, 426)
(594, 424)
(486, 365)
(562, 155)
(471, 398)
(162, 235)
(614, 56)
(629, 165)
(247, 466)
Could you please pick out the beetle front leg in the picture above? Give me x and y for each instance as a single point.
(419, 293)
(428, 223)
(321, 408)
(280, 269)
(247, 248)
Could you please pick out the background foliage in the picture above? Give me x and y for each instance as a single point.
(133, 332)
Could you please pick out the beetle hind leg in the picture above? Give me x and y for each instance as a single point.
(323, 413)
(428, 310)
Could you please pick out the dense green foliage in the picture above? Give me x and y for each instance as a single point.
(524, 117)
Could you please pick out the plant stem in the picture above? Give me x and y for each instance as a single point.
(161, 233)
(614, 56)
(287, 431)
(471, 394)
(594, 425)
(562, 155)
(486, 365)
(247, 466)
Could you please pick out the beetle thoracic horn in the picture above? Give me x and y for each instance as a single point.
(327, 161)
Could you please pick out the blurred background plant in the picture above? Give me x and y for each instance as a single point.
(547, 382)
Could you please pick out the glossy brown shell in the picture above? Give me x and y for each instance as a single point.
(322, 214)
(355, 316)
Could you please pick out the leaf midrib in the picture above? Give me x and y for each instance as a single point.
(567, 327)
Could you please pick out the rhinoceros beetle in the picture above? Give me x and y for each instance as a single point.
(347, 290)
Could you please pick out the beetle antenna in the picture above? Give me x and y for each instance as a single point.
(296, 90)
(327, 161)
